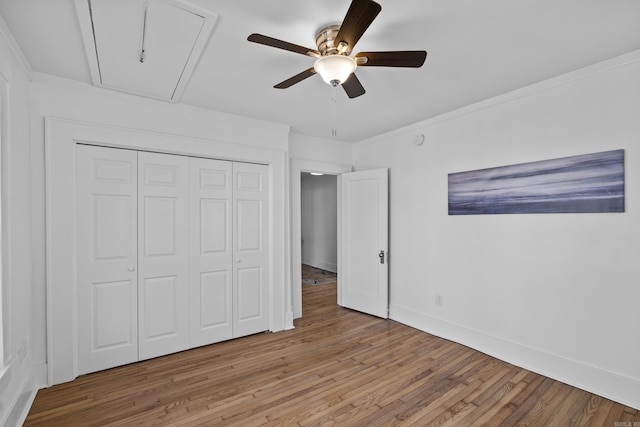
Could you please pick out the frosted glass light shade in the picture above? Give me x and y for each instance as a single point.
(335, 69)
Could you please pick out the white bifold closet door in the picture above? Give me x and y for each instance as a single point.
(211, 220)
(163, 254)
(229, 256)
(172, 254)
(107, 277)
(251, 256)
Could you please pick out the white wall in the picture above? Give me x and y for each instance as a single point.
(69, 99)
(319, 149)
(555, 293)
(319, 221)
(17, 384)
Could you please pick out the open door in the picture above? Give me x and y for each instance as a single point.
(364, 242)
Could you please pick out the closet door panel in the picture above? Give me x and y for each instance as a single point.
(251, 247)
(107, 257)
(249, 214)
(163, 254)
(214, 302)
(249, 294)
(160, 226)
(211, 251)
(162, 309)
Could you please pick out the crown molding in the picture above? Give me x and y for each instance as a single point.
(13, 45)
(535, 88)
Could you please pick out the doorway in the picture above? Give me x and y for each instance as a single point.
(298, 167)
(319, 228)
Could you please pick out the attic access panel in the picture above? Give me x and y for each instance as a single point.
(173, 34)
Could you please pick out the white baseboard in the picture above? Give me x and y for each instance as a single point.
(323, 265)
(592, 379)
(288, 321)
(23, 398)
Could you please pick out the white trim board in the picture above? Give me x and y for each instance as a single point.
(594, 380)
(5, 230)
(13, 45)
(23, 397)
(61, 137)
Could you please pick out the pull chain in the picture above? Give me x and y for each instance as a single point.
(334, 107)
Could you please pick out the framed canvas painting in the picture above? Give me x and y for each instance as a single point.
(577, 184)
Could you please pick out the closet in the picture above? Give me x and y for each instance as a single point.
(172, 253)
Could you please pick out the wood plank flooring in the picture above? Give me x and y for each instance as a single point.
(338, 367)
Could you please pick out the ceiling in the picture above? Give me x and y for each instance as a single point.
(477, 49)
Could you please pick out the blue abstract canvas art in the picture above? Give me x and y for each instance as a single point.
(577, 184)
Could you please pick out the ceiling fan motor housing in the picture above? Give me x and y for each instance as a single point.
(326, 41)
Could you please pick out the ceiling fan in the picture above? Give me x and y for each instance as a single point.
(335, 43)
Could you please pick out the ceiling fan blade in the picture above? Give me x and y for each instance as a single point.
(353, 87)
(360, 15)
(280, 44)
(400, 58)
(296, 79)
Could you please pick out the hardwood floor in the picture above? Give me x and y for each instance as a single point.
(338, 367)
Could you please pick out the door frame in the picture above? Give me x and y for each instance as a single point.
(61, 137)
(297, 167)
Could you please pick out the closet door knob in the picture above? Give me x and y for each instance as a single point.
(132, 269)
(238, 260)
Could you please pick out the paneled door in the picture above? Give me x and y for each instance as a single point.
(163, 254)
(107, 282)
(251, 248)
(364, 242)
(173, 253)
(211, 254)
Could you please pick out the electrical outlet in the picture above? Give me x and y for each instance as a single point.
(439, 299)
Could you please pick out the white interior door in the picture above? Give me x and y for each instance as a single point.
(251, 248)
(107, 258)
(211, 259)
(364, 242)
(163, 254)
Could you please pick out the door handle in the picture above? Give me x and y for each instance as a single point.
(381, 256)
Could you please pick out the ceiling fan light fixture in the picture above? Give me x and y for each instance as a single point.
(335, 69)
(335, 43)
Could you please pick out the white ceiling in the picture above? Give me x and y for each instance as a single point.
(477, 49)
